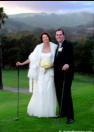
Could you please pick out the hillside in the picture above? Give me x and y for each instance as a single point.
(32, 21)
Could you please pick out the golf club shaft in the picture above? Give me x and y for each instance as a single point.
(18, 93)
(62, 94)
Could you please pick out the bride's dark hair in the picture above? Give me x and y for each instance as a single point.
(45, 33)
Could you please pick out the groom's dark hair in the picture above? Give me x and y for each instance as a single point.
(59, 29)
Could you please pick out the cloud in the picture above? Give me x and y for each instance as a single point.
(13, 7)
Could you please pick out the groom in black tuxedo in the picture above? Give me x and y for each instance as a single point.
(63, 76)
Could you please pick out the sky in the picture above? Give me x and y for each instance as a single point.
(59, 7)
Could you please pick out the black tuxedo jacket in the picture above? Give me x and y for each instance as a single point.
(64, 57)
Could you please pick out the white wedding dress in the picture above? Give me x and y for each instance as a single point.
(43, 100)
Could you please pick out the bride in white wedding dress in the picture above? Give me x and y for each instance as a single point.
(43, 100)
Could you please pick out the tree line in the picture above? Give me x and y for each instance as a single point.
(17, 47)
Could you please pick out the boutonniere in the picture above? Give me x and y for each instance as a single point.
(60, 49)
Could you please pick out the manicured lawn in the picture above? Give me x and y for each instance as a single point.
(10, 79)
(83, 100)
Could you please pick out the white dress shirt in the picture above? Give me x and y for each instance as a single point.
(60, 44)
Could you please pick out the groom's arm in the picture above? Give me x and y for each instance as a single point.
(68, 56)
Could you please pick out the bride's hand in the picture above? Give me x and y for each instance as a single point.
(18, 64)
(50, 67)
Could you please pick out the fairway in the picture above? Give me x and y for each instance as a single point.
(10, 79)
(83, 100)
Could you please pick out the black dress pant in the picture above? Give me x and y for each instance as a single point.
(63, 82)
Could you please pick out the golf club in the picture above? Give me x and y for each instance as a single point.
(62, 94)
(61, 97)
(17, 117)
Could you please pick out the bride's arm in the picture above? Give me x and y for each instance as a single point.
(23, 63)
(52, 66)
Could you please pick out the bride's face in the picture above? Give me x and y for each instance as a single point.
(45, 38)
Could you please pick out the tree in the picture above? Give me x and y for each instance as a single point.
(93, 56)
(3, 16)
(83, 55)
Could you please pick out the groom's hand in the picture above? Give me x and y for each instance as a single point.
(65, 67)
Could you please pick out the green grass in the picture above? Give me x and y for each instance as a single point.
(83, 101)
(10, 79)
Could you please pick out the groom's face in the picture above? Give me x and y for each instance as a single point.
(59, 36)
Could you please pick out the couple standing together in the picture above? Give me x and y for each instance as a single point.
(51, 69)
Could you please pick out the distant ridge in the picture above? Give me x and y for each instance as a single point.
(32, 21)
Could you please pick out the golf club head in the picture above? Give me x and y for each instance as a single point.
(16, 119)
(57, 122)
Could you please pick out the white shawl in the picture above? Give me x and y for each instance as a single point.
(34, 58)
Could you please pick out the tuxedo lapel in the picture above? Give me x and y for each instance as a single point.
(56, 54)
(63, 43)
(56, 51)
